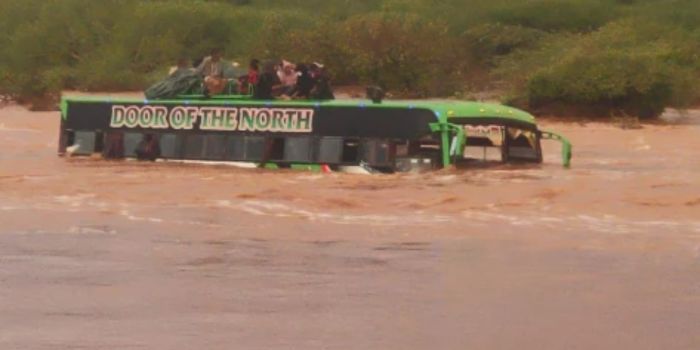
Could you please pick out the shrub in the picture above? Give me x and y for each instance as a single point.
(556, 15)
(626, 65)
(399, 52)
(635, 55)
(489, 41)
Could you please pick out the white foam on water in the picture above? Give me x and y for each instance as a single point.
(132, 217)
(446, 178)
(313, 177)
(157, 220)
(91, 230)
(607, 224)
(9, 208)
(263, 208)
(5, 128)
(76, 200)
(39, 177)
(245, 165)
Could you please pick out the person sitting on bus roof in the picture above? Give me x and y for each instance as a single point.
(246, 82)
(322, 86)
(268, 81)
(212, 69)
(302, 90)
(287, 76)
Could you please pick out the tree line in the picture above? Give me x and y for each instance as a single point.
(593, 57)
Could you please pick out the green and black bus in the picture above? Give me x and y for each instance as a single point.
(387, 136)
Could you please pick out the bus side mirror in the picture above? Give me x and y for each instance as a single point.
(565, 146)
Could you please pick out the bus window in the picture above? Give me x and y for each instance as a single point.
(298, 149)
(254, 148)
(86, 142)
(235, 148)
(99, 142)
(330, 149)
(484, 143)
(113, 145)
(276, 148)
(351, 150)
(131, 141)
(214, 147)
(415, 155)
(171, 146)
(194, 146)
(377, 152)
(244, 148)
(523, 145)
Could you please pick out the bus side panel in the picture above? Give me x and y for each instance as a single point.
(88, 116)
(373, 128)
(374, 122)
(328, 121)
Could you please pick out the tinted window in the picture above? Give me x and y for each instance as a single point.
(235, 148)
(171, 146)
(86, 142)
(376, 152)
(131, 141)
(330, 149)
(214, 147)
(298, 149)
(244, 148)
(194, 147)
(254, 147)
(522, 145)
(484, 142)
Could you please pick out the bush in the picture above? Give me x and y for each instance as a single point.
(403, 53)
(600, 55)
(556, 15)
(626, 65)
(487, 42)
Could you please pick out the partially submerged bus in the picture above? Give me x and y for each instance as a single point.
(388, 136)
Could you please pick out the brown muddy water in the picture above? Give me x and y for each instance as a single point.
(124, 255)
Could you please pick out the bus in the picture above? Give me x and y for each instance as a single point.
(383, 136)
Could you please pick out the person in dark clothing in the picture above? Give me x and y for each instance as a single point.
(322, 86)
(114, 145)
(148, 148)
(267, 82)
(305, 83)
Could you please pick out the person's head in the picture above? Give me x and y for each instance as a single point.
(216, 54)
(287, 67)
(254, 64)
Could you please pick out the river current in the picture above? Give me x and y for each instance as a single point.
(128, 255)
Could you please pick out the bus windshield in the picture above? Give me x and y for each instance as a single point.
(500, 143)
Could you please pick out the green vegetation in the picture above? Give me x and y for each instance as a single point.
(594, 57)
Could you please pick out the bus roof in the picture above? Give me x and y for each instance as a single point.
(444, 109)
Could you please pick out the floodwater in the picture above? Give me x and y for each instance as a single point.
(126, 255)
